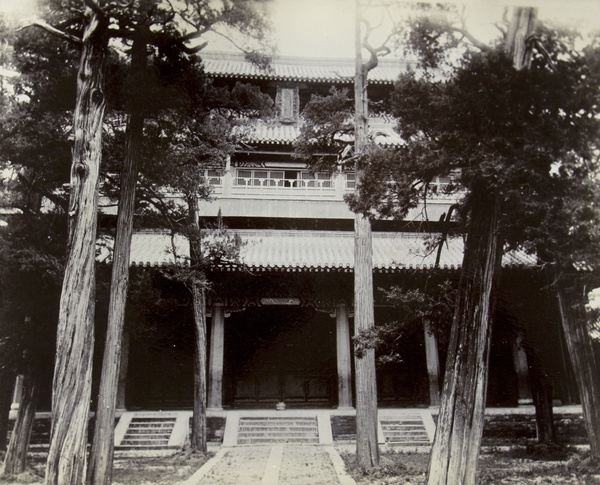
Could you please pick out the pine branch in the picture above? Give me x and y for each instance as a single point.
(53, 30)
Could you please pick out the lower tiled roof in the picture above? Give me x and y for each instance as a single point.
(277, 250)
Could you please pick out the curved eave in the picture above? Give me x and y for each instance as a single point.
(313, 251)
(297, 79)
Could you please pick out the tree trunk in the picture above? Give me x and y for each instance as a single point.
(367, 448)
(541, 393)
(455, 449)
(198, 440)
(101, 457)
(521, 26)
(15, 460)
(7, 379)
(584, 362)
(71, 388)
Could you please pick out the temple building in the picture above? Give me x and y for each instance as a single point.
(281, 324)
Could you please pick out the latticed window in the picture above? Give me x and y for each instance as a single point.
(282, 178)
(316, 180)
(213, 176)
(350, 180)
(260, 178)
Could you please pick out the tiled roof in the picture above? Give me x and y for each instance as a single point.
(265, 132)
(232, 65)
(279, 133)
(276, 250)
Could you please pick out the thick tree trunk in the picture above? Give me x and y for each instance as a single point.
(453, 458)
(7, 379)
(198, 440)
(101, 457)
(584, 362)
(367, 449)
(522, 24)
(15, 460)
(75, 333)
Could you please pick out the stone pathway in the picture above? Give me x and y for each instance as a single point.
(273, 465)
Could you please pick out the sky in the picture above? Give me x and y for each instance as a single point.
(324, 28)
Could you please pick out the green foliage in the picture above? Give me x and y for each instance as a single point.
(327, 130)
(434, 304)
(530, 136)
(34, 160)
(31, 271)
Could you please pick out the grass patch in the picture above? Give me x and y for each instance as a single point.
(541, 451)
(165, 470)
(393, 468)
(522, 464)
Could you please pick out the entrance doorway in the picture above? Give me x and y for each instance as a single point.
(279, 353)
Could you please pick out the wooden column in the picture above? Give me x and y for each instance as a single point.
(344, 367)
(215, 366)
(433, 364)
(122, 389)
(522, 370)
(17, 393)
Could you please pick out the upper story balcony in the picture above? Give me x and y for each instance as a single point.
(295, 192)
(297, 183)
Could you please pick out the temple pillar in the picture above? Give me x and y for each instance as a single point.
(522, 369)
(17, 393)
(433, 364)
(123, 368)
(344, 366)
(215, 365)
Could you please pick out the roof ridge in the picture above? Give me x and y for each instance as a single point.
(298, 60)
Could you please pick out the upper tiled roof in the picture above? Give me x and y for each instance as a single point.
(274, 132)
(233, 65)
(277, 250)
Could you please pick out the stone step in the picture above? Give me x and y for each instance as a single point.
(137, 424)
(162, 430)
(134, 441)
(403, 426)
(148, 433)
(277, 428)
(275, 418)
(277, 423)
(279, 435)
(155, 419)
(405, 430)
(143, 448)
(148, 436)
(274, 430)
(268, 441)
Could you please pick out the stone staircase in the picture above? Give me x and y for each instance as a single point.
(264, 430)
(151, 431)
(406, 429)
(40, 434)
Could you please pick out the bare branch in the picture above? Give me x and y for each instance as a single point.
(53, 30)
(95, 7)
(194, 50)
(467, 35)
(245, 51)
(122, 3)
(195, 34)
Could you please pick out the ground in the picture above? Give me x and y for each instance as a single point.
(167, 470)
(519, 464)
